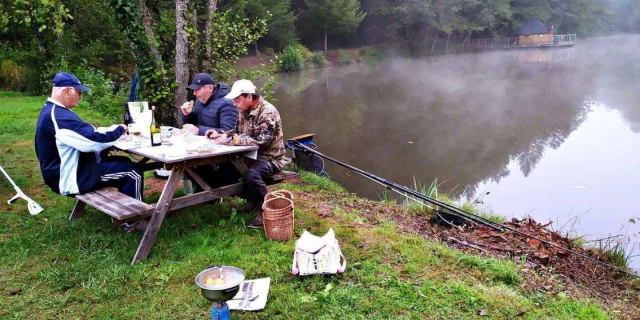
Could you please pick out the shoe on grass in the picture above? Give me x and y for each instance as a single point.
(140, 225)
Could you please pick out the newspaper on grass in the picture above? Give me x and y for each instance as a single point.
(249, 289)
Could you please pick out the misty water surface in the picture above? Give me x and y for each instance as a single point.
(554, 134)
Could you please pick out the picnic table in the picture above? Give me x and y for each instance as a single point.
(179, 157)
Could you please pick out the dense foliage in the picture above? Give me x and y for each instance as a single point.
(291, 59)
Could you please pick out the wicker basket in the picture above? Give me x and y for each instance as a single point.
(278, 216)
(278, 204)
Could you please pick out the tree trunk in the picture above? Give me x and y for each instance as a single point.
(182, 52)
(433, 44)
(325, 40)
(446, 47)
(255, 45)
(193, 45)
(208, 37)
(41, 46)
(151, 34)
(466, 39)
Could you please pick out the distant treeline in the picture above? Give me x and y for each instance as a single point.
(115, 37)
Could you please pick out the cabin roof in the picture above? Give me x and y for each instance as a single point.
(534, 26)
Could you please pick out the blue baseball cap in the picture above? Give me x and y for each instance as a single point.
(65, 79)
(200, 80)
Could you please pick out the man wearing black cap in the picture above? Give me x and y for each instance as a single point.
(212, 111)
(68, 148)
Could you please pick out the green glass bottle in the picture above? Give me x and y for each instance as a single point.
(154, 130)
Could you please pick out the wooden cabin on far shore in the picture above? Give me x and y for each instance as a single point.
(535, 33)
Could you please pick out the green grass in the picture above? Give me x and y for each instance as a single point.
(81, 269)
(423, 207)
(617, 249)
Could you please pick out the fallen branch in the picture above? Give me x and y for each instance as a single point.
(454, 240)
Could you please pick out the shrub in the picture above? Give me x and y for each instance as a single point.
(317, 58)
(20, 70)
(269, 51)
(291, 59)
(372, 54)
(10, 75)
(306, 53)
(30, 82)
(103, 97)
(343, 57)
(49, 70)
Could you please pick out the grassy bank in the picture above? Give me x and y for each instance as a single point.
(298, 58)
(53, 268)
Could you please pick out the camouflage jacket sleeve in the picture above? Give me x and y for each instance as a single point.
(260, 135)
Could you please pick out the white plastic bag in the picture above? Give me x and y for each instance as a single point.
(318, 255)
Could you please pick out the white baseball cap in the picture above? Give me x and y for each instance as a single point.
(239, 87)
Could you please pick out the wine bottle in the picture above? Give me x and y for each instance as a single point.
(154, 130)
(127, 115)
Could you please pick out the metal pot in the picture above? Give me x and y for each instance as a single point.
(220, 283)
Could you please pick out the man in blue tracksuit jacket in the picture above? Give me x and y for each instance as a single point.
(68, 148)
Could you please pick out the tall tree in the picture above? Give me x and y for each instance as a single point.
(147, 22)
(182, 51)
(450, 17)
(208, 35)
(193, 41)
(626, 14)
(492, 16)
(525, 10)
(585, 17)
(408, 21)
(334, 16)
(40, 18)
(280, 20)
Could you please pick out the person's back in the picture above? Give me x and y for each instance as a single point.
(58, 159)
(68, 148)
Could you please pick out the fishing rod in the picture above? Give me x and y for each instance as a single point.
(436, 212)
(390, 184)
(456, 211)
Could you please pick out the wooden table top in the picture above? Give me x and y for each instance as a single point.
(195, 147)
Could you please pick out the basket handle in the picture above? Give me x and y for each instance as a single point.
(281, 192)
(277, 197)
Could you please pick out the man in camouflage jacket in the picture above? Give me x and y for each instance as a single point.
(258, 125)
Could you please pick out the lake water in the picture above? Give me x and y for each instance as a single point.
(553, 134)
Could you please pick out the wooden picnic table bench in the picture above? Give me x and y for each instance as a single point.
(123, 208)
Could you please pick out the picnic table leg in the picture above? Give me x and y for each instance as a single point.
(238, 162)
(198, 179)
(160, 212)
(77, 211)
